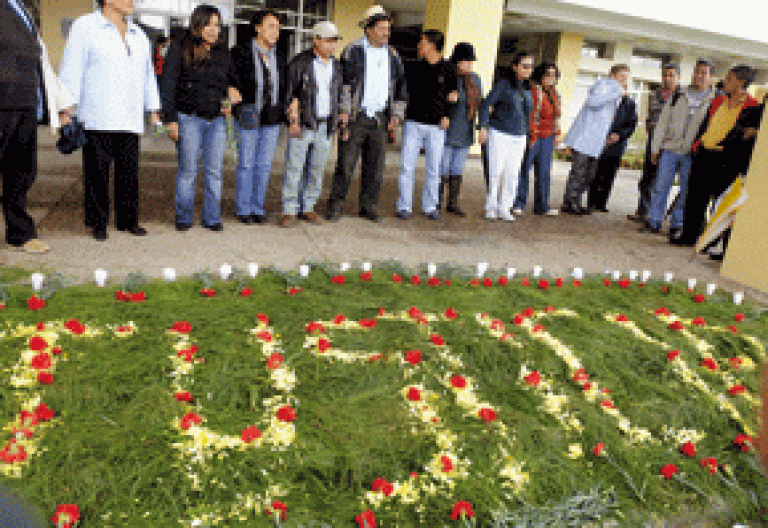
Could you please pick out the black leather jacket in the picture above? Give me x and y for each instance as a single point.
(302, 86)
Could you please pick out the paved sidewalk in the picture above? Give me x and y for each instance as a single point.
(596, 243)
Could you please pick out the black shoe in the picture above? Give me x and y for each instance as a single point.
(651, 229)
(246, 219)
(581, 211)
(718, 257)
(675, 233)
(403, 215)
(259, 219)
(434, 215)
(680, 241)
(455, 211)
(215, 227)
(333, 215)
(182, 227)
(100, 233)
(600, 209)
(636, 217)
(135, 230)
(373, 216)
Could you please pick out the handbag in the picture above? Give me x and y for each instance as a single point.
(71, 137)
(247, 115)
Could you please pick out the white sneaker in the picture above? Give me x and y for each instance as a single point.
(552, 212)
(517, 211)
(508, 217)
(490, 215)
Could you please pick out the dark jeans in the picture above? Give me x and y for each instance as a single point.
(709, 179)
(540, 156)
(579, 178)
(367, 137)
(646, 183)
(18, 167)
(601, 186)
(99, 152)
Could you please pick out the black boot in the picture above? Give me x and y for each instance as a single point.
(441, 192)
(454, 187)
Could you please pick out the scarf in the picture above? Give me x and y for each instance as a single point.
(473, 96)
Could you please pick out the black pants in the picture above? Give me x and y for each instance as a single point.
(605, 175)
(18, 167)
(709, 179)
(646, 183)
(486, 164)
(367, 138)
(101, 149)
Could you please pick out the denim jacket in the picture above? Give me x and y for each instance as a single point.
(511, 108)
(461, 132)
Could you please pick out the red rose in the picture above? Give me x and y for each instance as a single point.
(462, 508)
(529, 312)
(534, 378)
(474, 282)
(286, 414)
(543, 284)
(733, 329)
(503, 281)
(37, 343)
(120, 296)
(699, 298)
(699, 321)
(13, 453)
(181, 327)
(709, 363)
(672, 355)
(577, 283)
(188, 419)
(662, 311)
(524, 282)
(598, 449)
(606, 391)
(43, 413)
(250, 434)
(624, 284)
(45, 378)
(184, 397)
(518, 319)
(538, 328)
(141, 296)
(486, 414)
(275, 360)
(447, 464)
(414, 312)
(738, 317)
(448, 282)
(188, 353)
(339, 319)
(75, 326)
(26, 432)
(278, 506)
(208, 292)
(398, 279)
(458, 382)
(608, 404)
(66, 516)
(264, 335)
(246, 292)
(374, 357)
(382, 485)
(622, 318)
(367, 276)
(581, 375)
(496, 324)
(413, 357)
(382, 311)
(26, 417)
(367, 323)
(677, 325)
(414, 394)
(688, 449)
(711, 463)
(323, 344)
(338, 279)
(415, 280)
(293, 291)
(549, 309)
(436, 339)
(40, 325)
(669, 470)
(607, 282)
(559, 282)
(366, 520)
(506, 336)
(450, 313)
(664, 289)
(433, 281)
(737, 389)
(413, 474)
(744, 441)
(315, 327)
(587, 386)
(33, 303)
(263, 319)
(56, 351)
(487, 282)
(735, 362)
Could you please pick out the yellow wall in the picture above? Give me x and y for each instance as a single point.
(51, 13)
(347, 14)
(746, 260)
(568, 59)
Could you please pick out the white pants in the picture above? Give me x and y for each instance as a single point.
(505, 157)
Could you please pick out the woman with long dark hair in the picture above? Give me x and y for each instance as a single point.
(460, 134)
(197, 92)
(544, 137)
(504, 118)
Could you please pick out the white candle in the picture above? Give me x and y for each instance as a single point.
(668, 276)
(431, 269)
(616, 274)
(100, 277)
(609, 272)
(304, 270)
(738, 297)
(37, 279)
(578, 273)
(646, 275)
(691, 284)
(711, 287)
(537, 271)
(169, 274)
(482, 267)
(225, 271)
(344, 266)
(253, 269)
(366, 266)
(511, 272)
(632, 274)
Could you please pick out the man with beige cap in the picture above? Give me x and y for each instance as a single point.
(374, 97)
(313, 98)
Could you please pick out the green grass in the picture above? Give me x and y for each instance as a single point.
(110, 447)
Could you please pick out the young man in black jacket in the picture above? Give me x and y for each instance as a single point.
(374, 98)
(261, 76)
(313, 98)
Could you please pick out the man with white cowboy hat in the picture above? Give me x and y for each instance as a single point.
(374, 98)
(315, 79)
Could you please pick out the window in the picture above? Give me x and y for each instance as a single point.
(597, 50)
(649, 59)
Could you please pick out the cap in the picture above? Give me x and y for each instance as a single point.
(373, 14)
(463, 51)
(326, 30)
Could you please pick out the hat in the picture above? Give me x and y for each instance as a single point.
(373, 15)
(326, 30)
(463, 51)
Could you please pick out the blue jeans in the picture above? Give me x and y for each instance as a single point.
(255, 152)
(416, 135)
(454, 159)
(540, 156)
(669, 164)
(197, 134)
(307, 155)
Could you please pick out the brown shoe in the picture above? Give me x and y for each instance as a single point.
(287, 221)
(311, 217)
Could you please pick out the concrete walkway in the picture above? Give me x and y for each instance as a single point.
(596, 243)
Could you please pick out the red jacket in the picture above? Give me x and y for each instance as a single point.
(713, 106)
(545, 116)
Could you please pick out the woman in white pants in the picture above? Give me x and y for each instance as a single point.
(504, 116)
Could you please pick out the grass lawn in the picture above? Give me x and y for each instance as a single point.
(372, 399)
